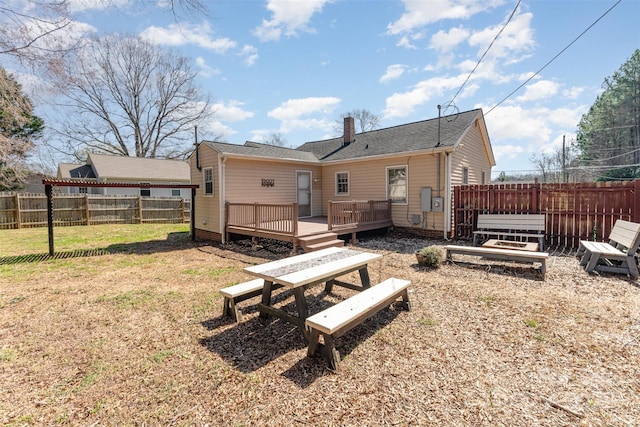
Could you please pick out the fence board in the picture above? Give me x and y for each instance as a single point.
(19, 210)
(574, 212)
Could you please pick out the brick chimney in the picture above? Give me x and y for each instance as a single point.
(349, 131)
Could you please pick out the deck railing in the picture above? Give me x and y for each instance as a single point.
(350, 214)
(260, 217)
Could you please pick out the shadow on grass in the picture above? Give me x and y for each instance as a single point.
(255, 342)
(176, 240)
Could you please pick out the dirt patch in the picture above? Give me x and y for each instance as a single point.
(136, 337)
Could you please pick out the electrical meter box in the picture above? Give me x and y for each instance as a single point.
(437, 204)
(425, 199)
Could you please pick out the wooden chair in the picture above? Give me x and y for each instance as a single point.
(616, 256)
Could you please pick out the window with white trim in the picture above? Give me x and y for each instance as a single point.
(397, 184)
(342, 183)
(207, 174)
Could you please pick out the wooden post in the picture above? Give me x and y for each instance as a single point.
(192, 213)
(87, 212)
(17, 216)
(140, 209)
(295, 219)
(49, 192)
(635, 214)
(330, 216)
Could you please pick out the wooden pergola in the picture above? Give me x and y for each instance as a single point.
(50, 183)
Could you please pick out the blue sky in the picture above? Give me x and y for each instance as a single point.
(293, 67)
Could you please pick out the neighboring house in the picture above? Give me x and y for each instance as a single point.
(128, 170)
(414, 165)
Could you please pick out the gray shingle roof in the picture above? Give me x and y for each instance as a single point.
(255, 149)
(139, 168)
(409, 137)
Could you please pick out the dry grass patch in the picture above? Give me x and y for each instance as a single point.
(136, 337)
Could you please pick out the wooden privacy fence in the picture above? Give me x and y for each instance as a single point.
(573, 212)
(30, 210)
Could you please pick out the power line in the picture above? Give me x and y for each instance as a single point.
(487, 50)
(556, 56)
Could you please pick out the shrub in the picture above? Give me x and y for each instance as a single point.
(430, 256)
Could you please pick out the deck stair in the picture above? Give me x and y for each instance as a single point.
(316, 242)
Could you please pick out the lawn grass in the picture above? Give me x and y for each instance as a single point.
(29, 241)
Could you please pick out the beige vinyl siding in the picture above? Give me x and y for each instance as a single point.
(368, 181)
(471, 153)
(207, 214)
(244, 182)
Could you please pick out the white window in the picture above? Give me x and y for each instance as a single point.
(145, 192)
(342, 183)
(208, 181)
(465, 175)
(82, 190)
(397, 184)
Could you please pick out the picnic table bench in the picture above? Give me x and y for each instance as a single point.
(500, 254)
(336, 320)
(511, 225)
(618, 255)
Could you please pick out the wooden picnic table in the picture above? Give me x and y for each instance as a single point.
(300, 272)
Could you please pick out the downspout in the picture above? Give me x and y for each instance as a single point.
(221, 199)
(447, 196)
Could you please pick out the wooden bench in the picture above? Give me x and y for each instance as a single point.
(500, 254)
(344, 316)
(237, 293)
(511, 225)
(616, 256)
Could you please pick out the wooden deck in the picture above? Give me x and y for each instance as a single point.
(280, 222)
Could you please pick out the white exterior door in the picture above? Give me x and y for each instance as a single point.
(304, 193)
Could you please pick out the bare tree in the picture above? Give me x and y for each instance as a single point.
(364, 120)
(131, 98)
(38, 32)
(276, 138)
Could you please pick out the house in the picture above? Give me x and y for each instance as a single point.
(128, 170)
(413, 167)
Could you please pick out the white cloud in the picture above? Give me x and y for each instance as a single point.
(295, 108)
(573, 92)
(305, 113)
(445, 41)
(182, 34)
(516, 39)
(419, 13)
(231, 111)
(205, 70)
(83, 5)
(288, 18)
(393, 72)
(250, 55)
(404, 42)
(506, 152)
(539, 90)
(403, 104)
